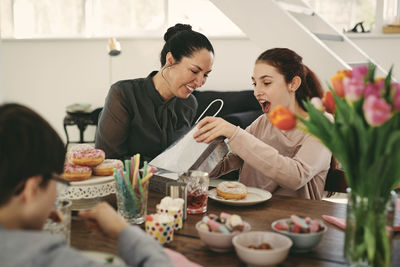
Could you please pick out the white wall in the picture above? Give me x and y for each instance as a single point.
(384, 50)
(48, 75)
(381, 48)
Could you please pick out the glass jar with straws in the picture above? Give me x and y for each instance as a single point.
(132, 189)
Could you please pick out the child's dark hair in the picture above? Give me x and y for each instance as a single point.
(29, 146)
(290, 64)
(182, 41)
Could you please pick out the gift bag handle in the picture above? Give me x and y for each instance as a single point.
(209, 105)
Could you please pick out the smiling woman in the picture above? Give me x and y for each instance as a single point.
(146, 115)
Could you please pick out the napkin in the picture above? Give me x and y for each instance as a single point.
(341, 222)
(179, 260)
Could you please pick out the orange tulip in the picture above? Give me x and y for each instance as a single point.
(329, 102)
(337, 81)
(282, 118)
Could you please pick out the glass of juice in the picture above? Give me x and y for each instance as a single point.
(197, 190)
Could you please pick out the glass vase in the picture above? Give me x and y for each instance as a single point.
(369, 228)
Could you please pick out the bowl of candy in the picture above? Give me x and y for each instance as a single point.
(305, 233)
(261, 248)
(217, 231)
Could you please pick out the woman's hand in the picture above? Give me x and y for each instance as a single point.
(213, 127)
(104, 219)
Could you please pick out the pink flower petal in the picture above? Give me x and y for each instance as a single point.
(376, 110)
(353, 88)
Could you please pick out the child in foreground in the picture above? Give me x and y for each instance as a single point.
(32, 155)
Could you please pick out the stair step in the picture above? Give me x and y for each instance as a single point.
(329, 37)
(297, 9)
(357, 63)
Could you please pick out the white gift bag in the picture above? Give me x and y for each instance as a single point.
(187, 154)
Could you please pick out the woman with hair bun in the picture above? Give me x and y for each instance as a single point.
(291, 162)
(146, 115)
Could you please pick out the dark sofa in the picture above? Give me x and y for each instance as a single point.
(240, 108)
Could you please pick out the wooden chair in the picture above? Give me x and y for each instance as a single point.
(81, 120)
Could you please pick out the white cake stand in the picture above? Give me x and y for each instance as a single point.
(86, 194)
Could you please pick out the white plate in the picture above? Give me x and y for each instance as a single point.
(254, 196)
(102, 257)
(94, 180)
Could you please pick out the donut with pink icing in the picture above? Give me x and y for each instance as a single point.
(231, 190)
(68, 159)
(106, 168)
(74, 172)
(87, 157)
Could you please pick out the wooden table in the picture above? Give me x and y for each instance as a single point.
(186, 241)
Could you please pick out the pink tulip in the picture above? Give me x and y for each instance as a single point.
(396, 98)
(353, 88)
(375, 88)
(376, 110)
(360, 72)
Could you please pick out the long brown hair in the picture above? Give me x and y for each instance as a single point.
(290, 64)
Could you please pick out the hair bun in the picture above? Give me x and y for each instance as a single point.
(176, 29)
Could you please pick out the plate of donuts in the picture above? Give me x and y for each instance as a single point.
(237, 194)
(86, 165)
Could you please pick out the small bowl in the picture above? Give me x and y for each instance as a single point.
(302, 242)
(216, 241)
(262, 257)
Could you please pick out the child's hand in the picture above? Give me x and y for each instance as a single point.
(104, 219)
(213, 127)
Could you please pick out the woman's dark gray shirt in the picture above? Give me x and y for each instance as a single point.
(135, 119)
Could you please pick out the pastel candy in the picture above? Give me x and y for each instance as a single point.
(314, 226)
(217, 227)
(205, 219)
(282, 226)
(228, 226)
(224, 216)
(299, 221)
(236, 221)
(225, 224)
(214, 226)
(295, 229)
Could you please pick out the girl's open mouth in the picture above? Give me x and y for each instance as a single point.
(265, 106)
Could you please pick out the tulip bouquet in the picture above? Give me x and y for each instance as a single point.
(364, 136)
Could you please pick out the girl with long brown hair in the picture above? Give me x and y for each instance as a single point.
(292, 162)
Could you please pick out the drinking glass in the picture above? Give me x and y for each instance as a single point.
(132, 207)
(197, 190)
(59, 221)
